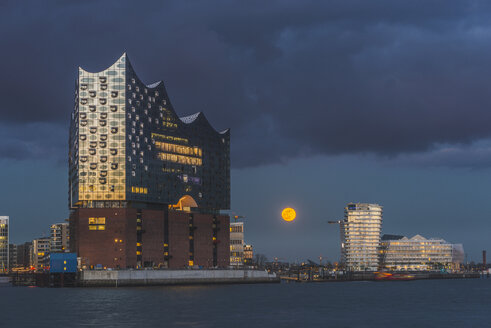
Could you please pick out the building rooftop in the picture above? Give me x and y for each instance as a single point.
(392, 237)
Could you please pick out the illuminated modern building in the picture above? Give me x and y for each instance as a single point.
(4, 244)
(59, 238)
(41, 248)
(419, 254)
(248, 255)
(24, 255)
(146, 187)
(360, 236)
(12, 256)
(237, 243)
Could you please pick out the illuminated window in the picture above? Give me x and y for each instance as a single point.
(97, 220)
(97, 223)
(139, 190)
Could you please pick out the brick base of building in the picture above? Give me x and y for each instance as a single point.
(132, 238)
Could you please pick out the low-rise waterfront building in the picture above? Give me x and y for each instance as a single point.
(248, 255)
(41, 248)
(237, 243)
(24, 255)
(399, 253)
(360, 236)
(4, 244)
(59, 237)
(12, 256)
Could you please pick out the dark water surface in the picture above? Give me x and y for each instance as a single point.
(425, 303)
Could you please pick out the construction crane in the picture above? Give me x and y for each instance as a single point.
(236, 217)
(335, 222)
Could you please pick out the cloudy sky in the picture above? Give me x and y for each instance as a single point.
(328, 102)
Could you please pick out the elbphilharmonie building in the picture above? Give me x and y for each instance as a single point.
(137, 171)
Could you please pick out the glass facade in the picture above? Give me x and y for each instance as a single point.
(128, 147)
(418, 254)
(4, 244)
(360, 236)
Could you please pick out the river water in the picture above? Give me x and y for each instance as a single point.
(423, 303)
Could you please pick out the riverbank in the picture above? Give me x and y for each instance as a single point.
(370, 276)
(126, 278)
(119, 278)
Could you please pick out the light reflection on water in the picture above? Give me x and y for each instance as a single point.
(449, 303)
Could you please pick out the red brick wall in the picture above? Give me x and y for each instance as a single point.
(223, 238)
(153, 237)
(203, 240)
(100, 246)
(178, 239)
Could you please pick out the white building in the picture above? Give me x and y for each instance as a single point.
(360, 236)
(237, 243)
(4, 243)
(420, 254)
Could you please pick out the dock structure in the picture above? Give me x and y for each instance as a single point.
(120, 278)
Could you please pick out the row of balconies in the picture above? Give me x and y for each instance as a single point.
(102, 116)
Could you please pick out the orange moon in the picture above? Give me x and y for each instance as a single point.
(288, 214)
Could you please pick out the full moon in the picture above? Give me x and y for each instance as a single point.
(288, 214)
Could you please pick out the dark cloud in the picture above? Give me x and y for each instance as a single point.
(34, 141)
(291, 78)
(476, 155)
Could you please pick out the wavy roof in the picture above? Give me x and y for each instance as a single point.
(196, 118)
(190, 119)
